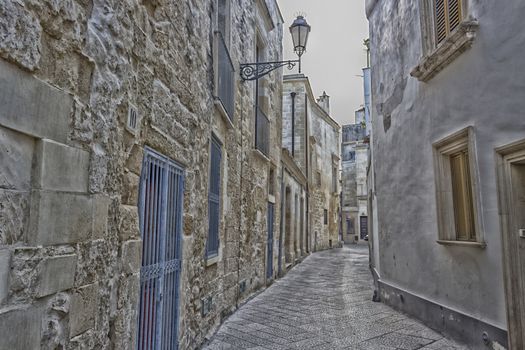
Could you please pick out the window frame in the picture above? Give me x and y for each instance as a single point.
(442, 151)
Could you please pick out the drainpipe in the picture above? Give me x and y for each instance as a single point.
(281, 227)
(240, 217)
(293, 94)
(307, 158)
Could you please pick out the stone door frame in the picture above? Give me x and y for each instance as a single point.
(507, 157)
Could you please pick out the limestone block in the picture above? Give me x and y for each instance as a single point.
(20, 329)
(130, 192)
(60, 167)
(5, 266)
(14, 210)
(131, 256)
(56, 274)
(16, 157)
(134, 162)
(58, 218)
(129, 222)
(83, 309)
(31, 106)
(100, 215)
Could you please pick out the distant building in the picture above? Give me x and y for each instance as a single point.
(311, 170)
(448, 165)
(354, 152)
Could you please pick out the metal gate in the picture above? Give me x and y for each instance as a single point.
(269, 260)
(160, 210)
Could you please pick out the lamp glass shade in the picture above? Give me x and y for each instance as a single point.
(300, 30)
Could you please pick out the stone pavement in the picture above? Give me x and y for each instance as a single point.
(325, 303)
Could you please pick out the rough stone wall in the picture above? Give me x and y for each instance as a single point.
(300, 130)
(311, 121)
(477, 89)
(69, 227)
(294, 239)
(327, 145)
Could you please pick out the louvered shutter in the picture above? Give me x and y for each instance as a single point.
(448, 16)
(440, 20)
(454, 14)
(462, 197)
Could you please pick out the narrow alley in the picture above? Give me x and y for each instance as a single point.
(325, 303)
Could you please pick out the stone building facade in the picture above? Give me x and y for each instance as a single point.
(311, 140)
(448, 145)
(354, 189)
(127, 119)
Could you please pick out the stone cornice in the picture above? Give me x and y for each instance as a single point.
(458, 42)
(292, 167)
(266, 15)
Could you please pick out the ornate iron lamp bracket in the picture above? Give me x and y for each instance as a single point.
(254, 71)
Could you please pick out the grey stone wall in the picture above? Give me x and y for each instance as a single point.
(70, 168)
(478, 89)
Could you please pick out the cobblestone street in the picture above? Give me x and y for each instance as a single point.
(325, 303)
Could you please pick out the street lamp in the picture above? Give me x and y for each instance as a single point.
(299, 30)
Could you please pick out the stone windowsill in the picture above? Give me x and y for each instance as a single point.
(223, 113)
(212, 260)
(261, 155)
(457, 43)
(463, 243)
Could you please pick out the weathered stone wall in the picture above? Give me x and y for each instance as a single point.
(327, 146)
(316, 153)
(69, 226)
(294, 234)
(300, 130)
(478, 89)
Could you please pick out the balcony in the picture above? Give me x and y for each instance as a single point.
(226, 74)
(262, 133)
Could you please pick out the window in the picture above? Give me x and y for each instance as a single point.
(350, 226)
(326, 216)
(318, 178)
(447, 31)
(271, 182)
(447, 17)
(348, 153)
(455, 186)
(225, 70)
(334, 179)
(212, 246)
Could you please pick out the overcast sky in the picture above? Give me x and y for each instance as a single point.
(335, 52)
